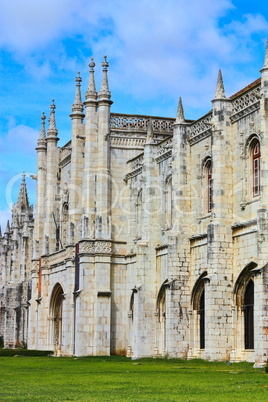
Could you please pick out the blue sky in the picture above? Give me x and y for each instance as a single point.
(158, 50)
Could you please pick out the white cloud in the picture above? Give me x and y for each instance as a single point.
(19, 138)
(167, 48)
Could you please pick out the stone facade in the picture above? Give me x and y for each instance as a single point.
(150, 235)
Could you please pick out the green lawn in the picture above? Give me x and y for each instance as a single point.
(121, 379)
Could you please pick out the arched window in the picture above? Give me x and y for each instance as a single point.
(256, 158)
(249, 315)
(168, 203)
(139, 214)
(209, 185)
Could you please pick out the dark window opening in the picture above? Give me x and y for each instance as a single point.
(256, 157)
(249, 315)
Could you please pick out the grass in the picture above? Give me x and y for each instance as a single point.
(24, 378)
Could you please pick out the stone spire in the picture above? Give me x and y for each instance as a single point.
(7, 228)
(23, 200)
(77, 105)
(104, 91)
(220, 93)
(91, 91)
(0, 231)
(180, 113)
(52, 130)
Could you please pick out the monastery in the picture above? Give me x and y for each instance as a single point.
(149, 236)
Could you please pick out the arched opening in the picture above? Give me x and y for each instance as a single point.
(161, 320)
(244, 298)
(199, 308)
(131, 324)
(56, 317)
(202, 320)
(249, 316)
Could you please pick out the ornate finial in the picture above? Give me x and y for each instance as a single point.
(91, 91)
(180, 113)
(0, 231)
(104, 91)
(52, 121)
(77, 105)
(220, 93)
(105, 63)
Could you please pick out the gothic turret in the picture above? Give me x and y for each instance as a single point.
(78, 133)
(40, 188)
(52, 160)
(90, 163)
(103, 219)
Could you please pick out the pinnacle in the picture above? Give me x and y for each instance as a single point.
(7, 227)
(180, 113)
(23, 201)
(52, 121)
(42, 135)
(77, 105)
(220, 93)
(91, 91)
(104, 91)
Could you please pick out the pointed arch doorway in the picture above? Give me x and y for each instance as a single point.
(56, 318)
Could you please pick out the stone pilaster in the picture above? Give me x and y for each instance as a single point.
(178, 292)
(218, 289)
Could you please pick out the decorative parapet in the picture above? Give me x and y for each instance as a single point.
(246, 103)
(60, 257)
(140, 123)
(200, 129)
(65, 154)
(164, 150)
(95, 247)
